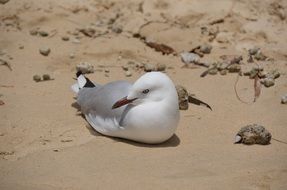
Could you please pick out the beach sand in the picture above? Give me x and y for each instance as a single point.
(46, 144)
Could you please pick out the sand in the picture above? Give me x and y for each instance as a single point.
(46, 144)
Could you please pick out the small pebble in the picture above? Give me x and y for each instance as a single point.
(65, 38)
(4, 1)
(128, 74)
(268, 82)
(33, 32)
(253, 134)
(46, 77)
(212, 71)
(205, 48)
(284, 99)
(149, 67)
(253, 51)
(125, 67)
(187, 57)
(160, 67)
(85, 67)
(21, 46)
(223, 72)
(260, 56)
(45, 51)
(43, 33)
(106, 70)
(72, 55)
(117, 29)
(37, 78)
(234, 68)
(182, 97)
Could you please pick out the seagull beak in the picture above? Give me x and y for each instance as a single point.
(122, 102)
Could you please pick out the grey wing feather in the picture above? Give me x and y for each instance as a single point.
(100, 99)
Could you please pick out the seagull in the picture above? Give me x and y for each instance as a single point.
(146, 111)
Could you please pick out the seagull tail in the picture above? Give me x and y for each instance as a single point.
(82, 82)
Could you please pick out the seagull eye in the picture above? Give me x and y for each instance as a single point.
(145, 91)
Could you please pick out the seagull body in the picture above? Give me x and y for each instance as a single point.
(146, 111)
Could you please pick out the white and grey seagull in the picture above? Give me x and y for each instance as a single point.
(146, 111)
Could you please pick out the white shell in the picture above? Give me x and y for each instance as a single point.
(237, 139)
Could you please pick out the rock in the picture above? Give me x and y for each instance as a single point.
(274, 74)
(128, 74)
(21, 46)
(212, 71)
(260, 56)
(33, 32)
(268, 82)
(65, 38)
(4, 1)
(205, 48)
(106, 70)
(234, 68)
(117, 29)
(222, 66)
(253, 51)
(125, 67)
(149, 67)
(72, 55)
(253, 134)
(223, 72)
(187, 57)
(284, 99)
(182, 97)
(37, 78)
(160, 67)
(85, 67)
(43, 33)
(45, 51)
(46, 77)
(222, 37)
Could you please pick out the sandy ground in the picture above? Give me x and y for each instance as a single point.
(46, 144)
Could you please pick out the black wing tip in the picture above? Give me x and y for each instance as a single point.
(78, 73)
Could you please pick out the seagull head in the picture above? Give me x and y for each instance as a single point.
(151, 87)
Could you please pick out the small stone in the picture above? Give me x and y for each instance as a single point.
(268, 82)
(33, 32)
(128, 74)
(253, 73)
(205, 48)
(262, 74)
(284, 99)
(125, 67)
(4, 1)
(85, 67)
(253, 134)
(117, 29)
(222, 66)
(223, 72)
(275, 73)
(149, 67)
(131, 63)
(46, 77)
(139, 65)
(37, 78)
(72, 55)
(187, 57)
(43, 33)
(253, 51)
(45, 51)
(106, 70)
(212, 71)
(76, 41)
(234, 68)
(21, 46)
(65, 38)
(260, 56)
(182, 97)
(160, 67)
